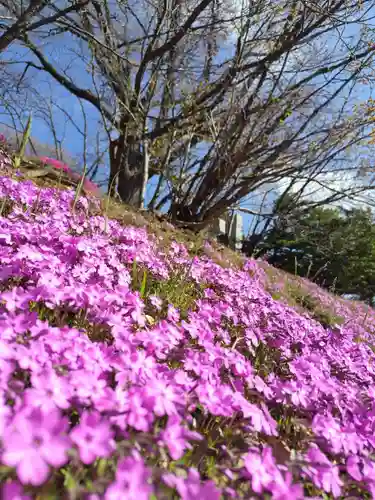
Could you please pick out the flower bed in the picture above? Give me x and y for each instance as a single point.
(88, 185)
(128, 371)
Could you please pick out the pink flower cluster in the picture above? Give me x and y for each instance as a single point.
(87, 184)
(113, 393)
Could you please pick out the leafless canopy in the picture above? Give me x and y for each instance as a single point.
(214, 99)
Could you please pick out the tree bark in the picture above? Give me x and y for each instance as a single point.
(126, 172)
(20, 25)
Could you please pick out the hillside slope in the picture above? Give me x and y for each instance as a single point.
(132, 366)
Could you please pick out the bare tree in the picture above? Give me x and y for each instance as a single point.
(227, 98)
(17, 19)
(287, 117)
(140, 96)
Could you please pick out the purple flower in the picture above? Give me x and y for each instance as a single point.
(322, 472)
(48, 390)
(192, 488)
(260, 468)
(175, 437)
(93, 436)
(338, 437)
(132, 480)
(173, 314)
(156, 302)
(162, 398)
(33, 441)
(282, 488)
(14, 299)
(13, 491)
(5, 413)
(353, 467)
(138, 415)
(261, 420)
(125, 375)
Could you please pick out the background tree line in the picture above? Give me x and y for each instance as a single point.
(332, 247)
(200, 105)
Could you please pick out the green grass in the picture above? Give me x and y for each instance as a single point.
(313, 306)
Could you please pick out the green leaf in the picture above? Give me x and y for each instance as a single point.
(102, 466)
(25, 139)
(134, 273)
(69, 482)
(79, 189)
(143, 285)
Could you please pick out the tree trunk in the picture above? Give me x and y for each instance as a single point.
(182, 216)
(126, 172)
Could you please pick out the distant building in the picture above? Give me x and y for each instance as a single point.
(228, 230)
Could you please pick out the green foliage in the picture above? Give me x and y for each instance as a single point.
(334, 249)
(6, 206)
(314, 307)
(17, 160)
(179, 289)
(79, 189)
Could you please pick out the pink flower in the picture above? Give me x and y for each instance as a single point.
(175, 437)
(88, 185)
(93, 436)
(91, 187)
(156, 302)
(323, 473)
(173, 314)
(132, 478)
(261, 468)
(13, 491)
(55, 163)
(192, 488)
(162, 398)
(34, 441)
(48, 390)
